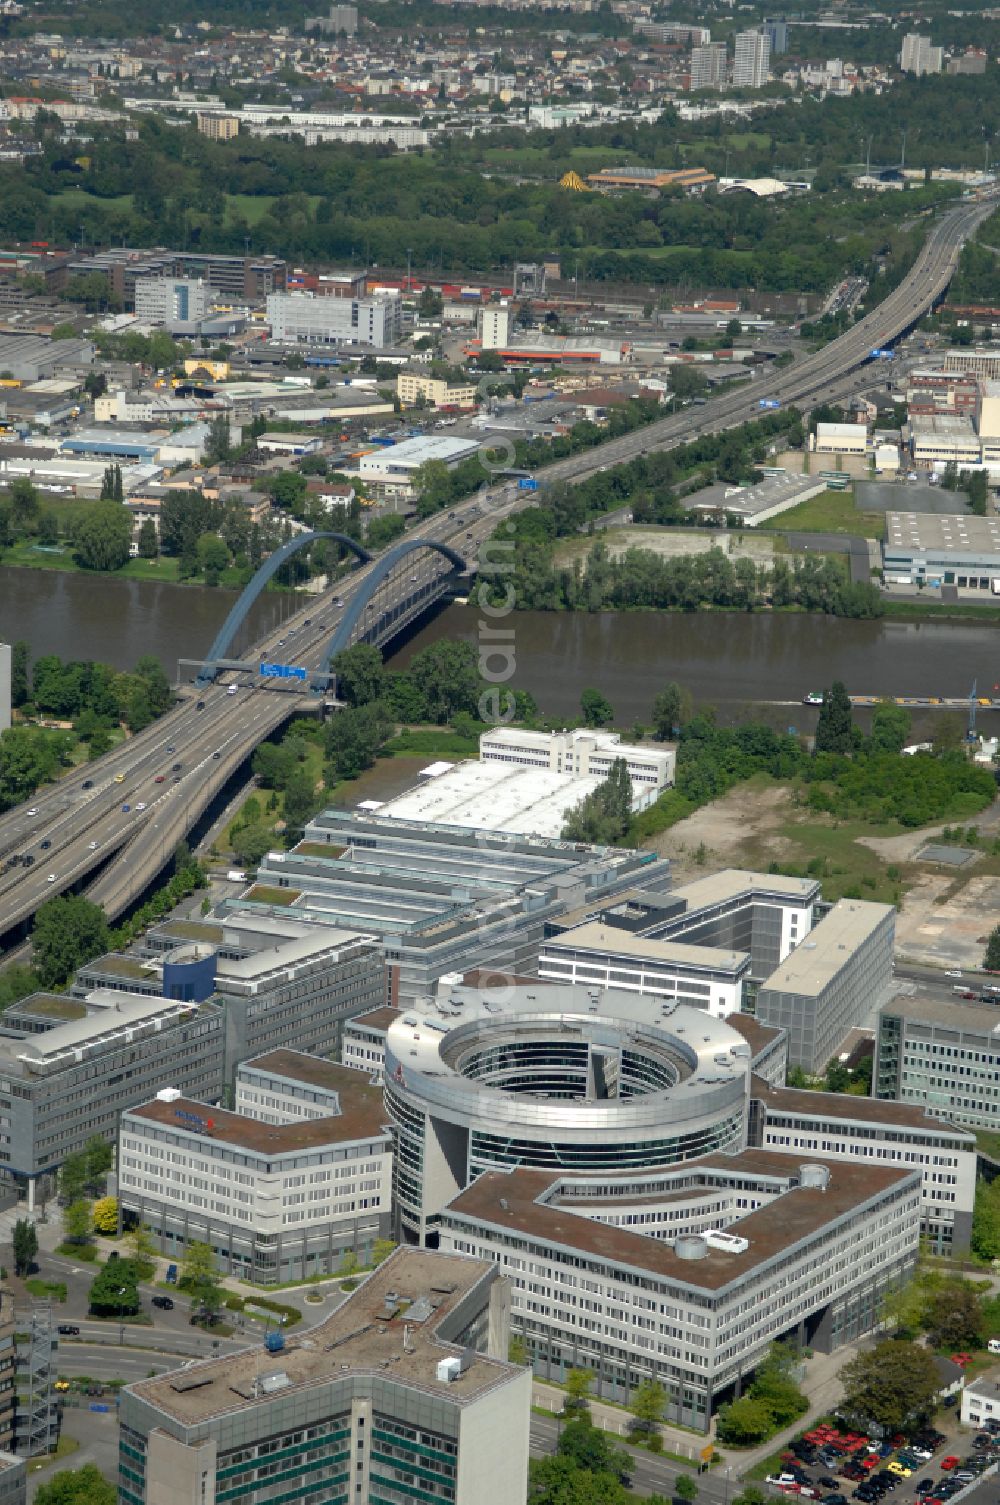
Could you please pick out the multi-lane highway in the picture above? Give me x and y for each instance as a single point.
(144, 797)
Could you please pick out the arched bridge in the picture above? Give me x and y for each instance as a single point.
(234, 621)
(396, 610)
(391, 606)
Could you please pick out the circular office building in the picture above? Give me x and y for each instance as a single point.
(558, 1078)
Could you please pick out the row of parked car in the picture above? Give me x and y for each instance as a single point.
(878, 1469)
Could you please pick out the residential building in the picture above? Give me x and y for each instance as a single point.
(275, 1203)
(863, 1129)
(709, 66)
(363, 1044)
(918, 56)
(688, 1274)
(343, 18)
(404, 1393)
(494, 326)
(59, 1088)
(579, 1078)
(218, 127)
(411, 386)
(303, 319)
(943, 1055)
(169, 300)
(581, 752)
(708, 977)
(440, 899)
(751, 63)
(831, 982)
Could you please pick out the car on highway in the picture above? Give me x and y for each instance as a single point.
(141, 805)
(217, 755)
(160, 778)
(68, 1330)
(119, 778)
(87, 784)
(953, 973)
(164, 1303)
(45, 844)
(33, 810)
(177, 767)
(51, 878)
(233, 690)
(200, 706)
(92, 847)
(171, 747)
(126, 809)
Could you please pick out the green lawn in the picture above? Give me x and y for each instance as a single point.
(432, 742)
(253, 207)
(26, 554)
(79, 198)
(830, 512)
(988, 1143)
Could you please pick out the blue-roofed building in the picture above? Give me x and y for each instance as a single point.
(113, 444)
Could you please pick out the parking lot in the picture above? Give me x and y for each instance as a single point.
(834, 1467)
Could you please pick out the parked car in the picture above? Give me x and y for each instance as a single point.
(67, 1330)
(164, 1303)
(171, 1275)
(950, 1462)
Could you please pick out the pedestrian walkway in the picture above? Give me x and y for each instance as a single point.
(616, 1419)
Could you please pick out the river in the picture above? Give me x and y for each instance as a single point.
(732, 661)
(729, 660)
(118, 621)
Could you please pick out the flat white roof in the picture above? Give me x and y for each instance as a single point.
(828, 946)
(494, 796)
(608, 940)
(413, 452)
(942, 533)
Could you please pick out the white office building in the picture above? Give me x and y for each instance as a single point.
(172, 300)
(274, 1202)
(363, 1043)
(843, 1127)
(582, 753)
(709, 977)
(687, 1274)
(302, 319)
(751, 68)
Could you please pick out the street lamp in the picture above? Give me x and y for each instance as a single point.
(121, 1317)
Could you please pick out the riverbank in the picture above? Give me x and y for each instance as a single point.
(35, 556)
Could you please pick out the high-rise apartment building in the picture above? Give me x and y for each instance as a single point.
(751, 63)
(172, 300)
(777, 35)
(918, 56)
(708, 66)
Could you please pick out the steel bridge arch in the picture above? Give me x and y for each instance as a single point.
(385, 566)
(238, 615)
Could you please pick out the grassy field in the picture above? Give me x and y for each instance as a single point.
(830, 512)
(253, 207)
(79, 198)
(33, 556)
(432, 742)
(915, 610)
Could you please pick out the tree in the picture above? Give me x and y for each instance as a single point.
(447, 675)
(100, 1158)
(251, 844)
(20, 687)
(579, 1383)
(597, 710)
(213, 556)
(894, 1384)
(68, 931)
(603, 816)
(78, 1222)
(106, 1215)
(985, 1237)
(687, 381)
(114, 1291)
(647, 1405)
(955, 1317)
(686, 1488)
(835, 728)
(353, 738)
(197, 1268)
(77, 1486)
(300, 799)
(744, 1422)
(111, 485)
(25, 1241)
(149, 543)
(140, 1241)
(218, 446)
(24, 504)
(102, 536)
(890, 728)
(991, 956)
(670, 708)
(360, 675)
(381, 1249)
(73, 1177)
(349, 1265)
